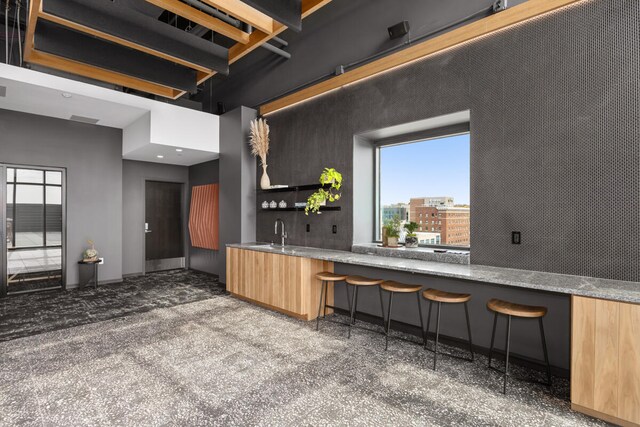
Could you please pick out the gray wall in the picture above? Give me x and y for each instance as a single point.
(340, 33)
(92, 156)
(554, 140)
(134, 175)
(204, 259)
(237, 183)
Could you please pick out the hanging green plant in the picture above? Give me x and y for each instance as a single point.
(332, 178)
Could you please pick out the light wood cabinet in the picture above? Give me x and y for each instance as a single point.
(605, 359)
(280, 282)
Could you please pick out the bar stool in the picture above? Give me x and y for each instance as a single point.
(434, 295)
(510, 309)
(357, 282)
(401, 288)
(326, 277)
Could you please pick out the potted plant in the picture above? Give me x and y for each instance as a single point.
(331, 181)
(392, 231)
(259, 143)
(411, 239)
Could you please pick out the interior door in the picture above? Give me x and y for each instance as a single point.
(32, 221)
(164, 237)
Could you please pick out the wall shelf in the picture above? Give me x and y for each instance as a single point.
(294, 209)
(308, 187)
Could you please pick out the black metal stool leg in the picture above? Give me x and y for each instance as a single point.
(546, 355)
(466, 313)
(346, 287)
(386, 344)
(426, 335)
(493, 336)
(353, 318)
(320, 305)
(435, 352)
(384, 319)
(424, 341)
(506, 360)
(326, 292)
(353, 307)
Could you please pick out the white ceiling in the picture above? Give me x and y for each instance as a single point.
(168, 127)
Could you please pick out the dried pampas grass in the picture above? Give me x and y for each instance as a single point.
(259, 139)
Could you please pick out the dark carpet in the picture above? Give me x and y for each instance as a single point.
(28, 314)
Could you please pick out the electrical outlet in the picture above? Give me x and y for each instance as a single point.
(308, 228)
(334, 229)
(515, 237)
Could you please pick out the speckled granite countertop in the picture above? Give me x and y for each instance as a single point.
(615, 290)
(451, 256)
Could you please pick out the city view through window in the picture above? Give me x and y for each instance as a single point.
(428, 183)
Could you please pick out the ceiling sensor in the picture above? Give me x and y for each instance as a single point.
(499, 5)
(81, 119)
(66, 95)
(3, 91)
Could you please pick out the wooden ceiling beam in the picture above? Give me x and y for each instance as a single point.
(244, 13)
(483, 27)
(96, 33)
(258, 38)
(89, 71)
(206, 20)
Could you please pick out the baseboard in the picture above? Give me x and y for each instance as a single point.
(100, 283)
(461, 343)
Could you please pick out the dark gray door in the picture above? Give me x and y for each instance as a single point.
(164, 239)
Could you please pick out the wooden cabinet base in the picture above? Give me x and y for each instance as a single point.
(278, 282)
(608, 418)
(605, 359)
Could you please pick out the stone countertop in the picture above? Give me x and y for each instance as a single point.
(616, 290)
(451, 256)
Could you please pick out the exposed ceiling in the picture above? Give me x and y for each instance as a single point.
(162, 47)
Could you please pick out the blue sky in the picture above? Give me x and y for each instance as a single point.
(436, 167)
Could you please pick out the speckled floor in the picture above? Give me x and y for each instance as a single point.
(221, 361)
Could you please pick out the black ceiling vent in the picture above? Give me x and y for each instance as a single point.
(61, 41)
(287, 12)
(83, 119)
(135, 27)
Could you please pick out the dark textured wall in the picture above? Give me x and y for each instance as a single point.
(134, 175)
(554, 140)
(340, 33)
(92, 156)
(203, 259)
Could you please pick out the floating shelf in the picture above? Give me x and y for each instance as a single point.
(308, 187)
(294, 209)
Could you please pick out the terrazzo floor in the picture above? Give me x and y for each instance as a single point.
(221, 361)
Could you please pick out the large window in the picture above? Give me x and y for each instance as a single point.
(427, 182)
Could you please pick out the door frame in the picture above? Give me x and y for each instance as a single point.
(3, 222)
(185, 219)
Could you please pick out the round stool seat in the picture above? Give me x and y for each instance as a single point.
(392, 286)
(448, 297)
(330, 277)
(363, 281)
(513, 309)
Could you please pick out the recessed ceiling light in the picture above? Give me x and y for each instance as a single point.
(160, 156)
(66, 95)
(179, 150)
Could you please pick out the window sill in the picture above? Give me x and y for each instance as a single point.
(452, 256)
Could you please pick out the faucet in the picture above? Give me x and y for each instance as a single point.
(283, 235)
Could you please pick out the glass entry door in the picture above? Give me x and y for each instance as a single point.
(34, 217)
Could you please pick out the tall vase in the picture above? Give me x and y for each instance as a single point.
(265, 182)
